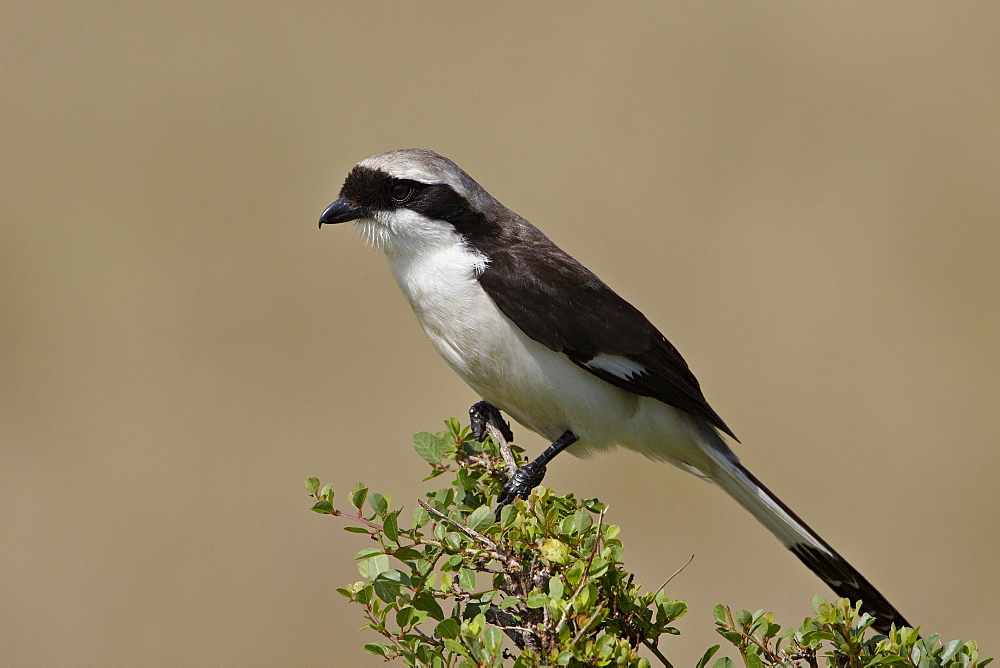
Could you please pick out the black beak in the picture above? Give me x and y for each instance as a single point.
(342, 211)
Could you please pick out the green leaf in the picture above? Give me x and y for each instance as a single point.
(508, 601)
(429, 446)
(312, 485)
(448, 628)
(583, 520)
(481, 518)
(734, 637)
(420, 517)
(707, 656)
(389, 526)
(536, 599)
(719, 612)
(467, 579)
(594, 506)
(404, 616)
(387, 590)
(598, 567)
(327, 492)
(323, 507)
(425, 654)
(395, 575)
(556, 587)
(367, 552)
(575, 573)
(557, 552)
(465, 482)
(586, 598)
(454, 427)
(507, 515)
(358, 495)
(377, 503)
(453, 540)
(357, 529)
(377, 565)
(407, 554)
(377, 648)
(475, 625)
(492, 639)
(427, 603)
(724, 662)
(364, 595)
(949, 650)
(456, 647)
(673, 610)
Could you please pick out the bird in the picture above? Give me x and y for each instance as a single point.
(540, 337)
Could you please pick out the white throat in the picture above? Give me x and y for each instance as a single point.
(438, 274)
(408, 234)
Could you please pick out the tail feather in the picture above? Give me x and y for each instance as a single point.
(804, 543)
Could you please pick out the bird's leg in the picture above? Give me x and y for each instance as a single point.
(483, 413)
(530, 475)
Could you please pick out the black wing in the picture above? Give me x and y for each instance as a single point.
(561, 304)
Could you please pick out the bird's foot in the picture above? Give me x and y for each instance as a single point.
(484, 413)
(529, 476)
(520, 484)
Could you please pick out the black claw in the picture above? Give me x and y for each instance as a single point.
(531, 474)
(483, 413)
(519, 486)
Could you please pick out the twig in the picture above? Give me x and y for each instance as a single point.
(676, 573)
(471, 533)
(586, 571)
(426, 576)
(505, 451)
(356, 518)
(597, 611)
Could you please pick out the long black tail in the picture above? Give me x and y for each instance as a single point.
(805, 543)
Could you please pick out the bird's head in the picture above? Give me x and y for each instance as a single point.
(406, 200)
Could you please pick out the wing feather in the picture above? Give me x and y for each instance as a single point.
(561, 304)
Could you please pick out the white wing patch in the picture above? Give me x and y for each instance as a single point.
(617, 365)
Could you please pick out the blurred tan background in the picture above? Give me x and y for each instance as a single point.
(805, 198)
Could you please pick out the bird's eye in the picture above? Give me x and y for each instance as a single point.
(400, 191)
